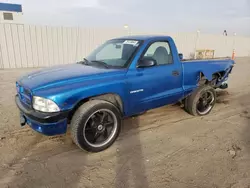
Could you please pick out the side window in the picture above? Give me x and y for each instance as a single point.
(161, 52)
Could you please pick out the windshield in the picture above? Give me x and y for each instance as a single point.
(114, 53)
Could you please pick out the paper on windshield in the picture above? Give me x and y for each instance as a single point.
(131, 42)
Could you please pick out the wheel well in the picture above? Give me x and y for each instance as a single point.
(220, 74)
(110, 97)
(203, 80)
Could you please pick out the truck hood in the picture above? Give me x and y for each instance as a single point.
(66, 74)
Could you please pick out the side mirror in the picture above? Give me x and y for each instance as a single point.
(181, 56)
(146, 62)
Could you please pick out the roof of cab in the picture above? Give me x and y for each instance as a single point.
(144, 37)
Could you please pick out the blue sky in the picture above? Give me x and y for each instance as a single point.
(209, 16)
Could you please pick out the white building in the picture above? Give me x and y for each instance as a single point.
(10, 13)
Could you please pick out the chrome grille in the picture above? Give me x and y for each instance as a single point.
(24, 95)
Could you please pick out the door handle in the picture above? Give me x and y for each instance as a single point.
(175, 73)
(139, 74)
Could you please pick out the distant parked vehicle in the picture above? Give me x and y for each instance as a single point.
(123, 77)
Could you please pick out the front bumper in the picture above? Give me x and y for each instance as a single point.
(45, 123)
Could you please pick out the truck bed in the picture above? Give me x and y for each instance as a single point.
(201, 60)
(208, 67)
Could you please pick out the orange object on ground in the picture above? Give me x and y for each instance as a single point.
(233, 55)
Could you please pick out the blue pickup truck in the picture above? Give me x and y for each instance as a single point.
(123, 77)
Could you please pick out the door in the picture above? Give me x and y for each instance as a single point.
(155, 86)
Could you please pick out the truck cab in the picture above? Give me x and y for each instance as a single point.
(159, 83)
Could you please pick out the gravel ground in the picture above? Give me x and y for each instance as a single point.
(165, 147)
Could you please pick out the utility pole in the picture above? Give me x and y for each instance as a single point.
(196, 42)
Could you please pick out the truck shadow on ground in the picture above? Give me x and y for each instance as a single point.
(130, 162)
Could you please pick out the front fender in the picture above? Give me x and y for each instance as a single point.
(68, 96)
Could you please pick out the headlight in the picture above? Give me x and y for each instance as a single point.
(44, 105)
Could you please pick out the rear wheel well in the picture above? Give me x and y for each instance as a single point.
(203, 80)
(110, 97)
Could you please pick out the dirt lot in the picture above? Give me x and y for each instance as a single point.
(165, 147)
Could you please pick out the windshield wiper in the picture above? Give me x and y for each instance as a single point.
(101, 63)
(89, 63)
(84, 62)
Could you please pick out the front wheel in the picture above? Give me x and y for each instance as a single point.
(201, 101)
(95, 125)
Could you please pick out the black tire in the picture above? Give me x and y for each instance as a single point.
(192, 100)
(82, 116)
